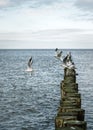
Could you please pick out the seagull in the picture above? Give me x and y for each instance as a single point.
(71, 65)
(29, 67)
(30, 62)
(58, 54)
(67, 62)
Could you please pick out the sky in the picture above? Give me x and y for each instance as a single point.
(29, 24)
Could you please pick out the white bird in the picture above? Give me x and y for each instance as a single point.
(29, 68)
(30, 62)
(58, 54)
(67, 62)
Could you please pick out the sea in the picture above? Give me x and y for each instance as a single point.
(30, 101)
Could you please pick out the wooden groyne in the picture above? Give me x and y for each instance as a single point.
(70, 115)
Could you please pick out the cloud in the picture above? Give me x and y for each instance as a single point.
(47, 35)
(85, 9)
(29, 3)
(83, 4)
(22, 15)
(66, 38)
(4, 3)
(86, 5)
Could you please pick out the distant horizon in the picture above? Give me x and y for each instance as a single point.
(46, 48)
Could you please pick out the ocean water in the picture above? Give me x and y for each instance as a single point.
(30, 101)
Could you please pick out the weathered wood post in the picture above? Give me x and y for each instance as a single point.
(70, 116)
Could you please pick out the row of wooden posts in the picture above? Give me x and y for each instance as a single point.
(70, 115)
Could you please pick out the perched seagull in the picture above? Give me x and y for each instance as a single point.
(67, 62)
(71, 65)
(58, 54)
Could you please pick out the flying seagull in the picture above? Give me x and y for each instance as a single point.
(58, 54)
(30, 62)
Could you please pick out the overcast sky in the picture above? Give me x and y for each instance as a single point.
(46, 24)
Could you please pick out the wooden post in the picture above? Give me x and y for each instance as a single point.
(70, 115)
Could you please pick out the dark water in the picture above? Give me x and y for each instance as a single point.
(30, 102)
